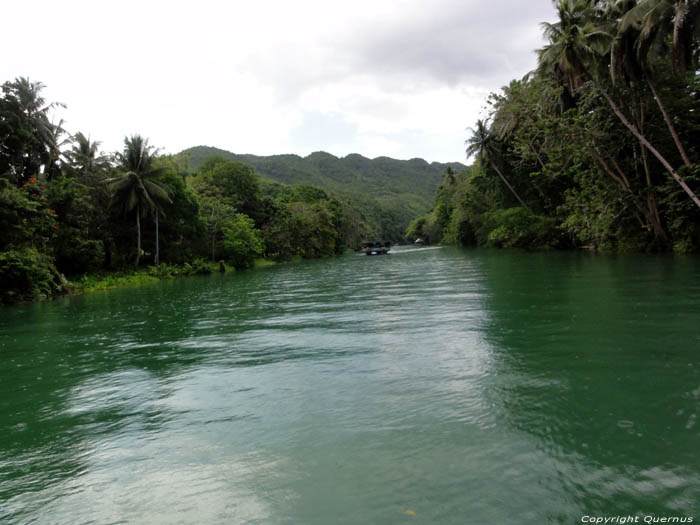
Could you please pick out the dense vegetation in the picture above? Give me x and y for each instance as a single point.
(389, 192)
(599, 147)
(66, 209)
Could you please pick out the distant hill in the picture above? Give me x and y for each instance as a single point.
(391, 191)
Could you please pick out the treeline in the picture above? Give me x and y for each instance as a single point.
(66, 208)
(599, 147)
(389, 192)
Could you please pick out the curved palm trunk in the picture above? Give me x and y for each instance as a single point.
(511, 188)
(138, 235)
(157, 259)
(648, 145)
(669, 124)
(654, 217)
(649, 211)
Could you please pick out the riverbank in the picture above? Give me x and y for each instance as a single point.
(122, 278)
(149, 274)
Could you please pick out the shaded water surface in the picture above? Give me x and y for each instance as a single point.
(428, 386)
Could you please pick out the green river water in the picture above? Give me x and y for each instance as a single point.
(433, 385)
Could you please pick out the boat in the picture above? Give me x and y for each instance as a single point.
(376, 247)
(419, 242)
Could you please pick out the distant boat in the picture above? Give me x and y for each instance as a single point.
(419, 242)
(376, 247)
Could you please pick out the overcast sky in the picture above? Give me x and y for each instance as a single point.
(400, 78)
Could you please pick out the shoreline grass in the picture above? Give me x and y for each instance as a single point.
(109, 280)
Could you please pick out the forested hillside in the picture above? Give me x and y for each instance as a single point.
(390, 192)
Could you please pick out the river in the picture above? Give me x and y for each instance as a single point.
(433, 385)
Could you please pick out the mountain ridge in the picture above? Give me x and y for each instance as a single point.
(414, 176)
(391, 192)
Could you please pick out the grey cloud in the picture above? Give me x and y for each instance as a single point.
(444, 42)
(456, 41)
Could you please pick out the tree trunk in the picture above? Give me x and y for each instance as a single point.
(138, 236)
(654, 217)
(669, 124)
(647, 145)
(624, 184)
(511, 188)
(157, 259)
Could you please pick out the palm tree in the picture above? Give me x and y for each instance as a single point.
(482, 143)
(579, 46)
(661, 21)
(574, 43)
(135, 189)
(84, 157)
(652, 24)
(37, 140)
(55, 143)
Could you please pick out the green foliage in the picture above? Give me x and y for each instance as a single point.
(74, 246)
(27, 275)
(279, 233)
(29, 139)
(314, 230)
(136, 190)
(182, 231)
(516, 228)
(164, 271)
(387, 193)
(680, 213)
(241, 243)
(25, 218)
(233, 183)
(199, 267)
(595, 148)
(106, 281)
(415, 228)
(82, 210)
(459, 230)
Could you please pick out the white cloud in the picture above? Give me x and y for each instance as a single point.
(402, 78)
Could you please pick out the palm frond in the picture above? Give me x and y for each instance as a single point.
(157, 191)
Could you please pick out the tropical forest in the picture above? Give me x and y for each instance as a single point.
(598, 148)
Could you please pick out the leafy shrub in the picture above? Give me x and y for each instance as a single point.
(27, 275)
(199, 267)
(680, 212)
(241, 243)
(164, 271)
(515, 227)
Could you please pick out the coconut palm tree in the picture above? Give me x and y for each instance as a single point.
(56, 139)
(135, 190)
(84, 157)
(35, 139)
(482, 143)
(579, 48)
(662, 21)
(650, 25)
